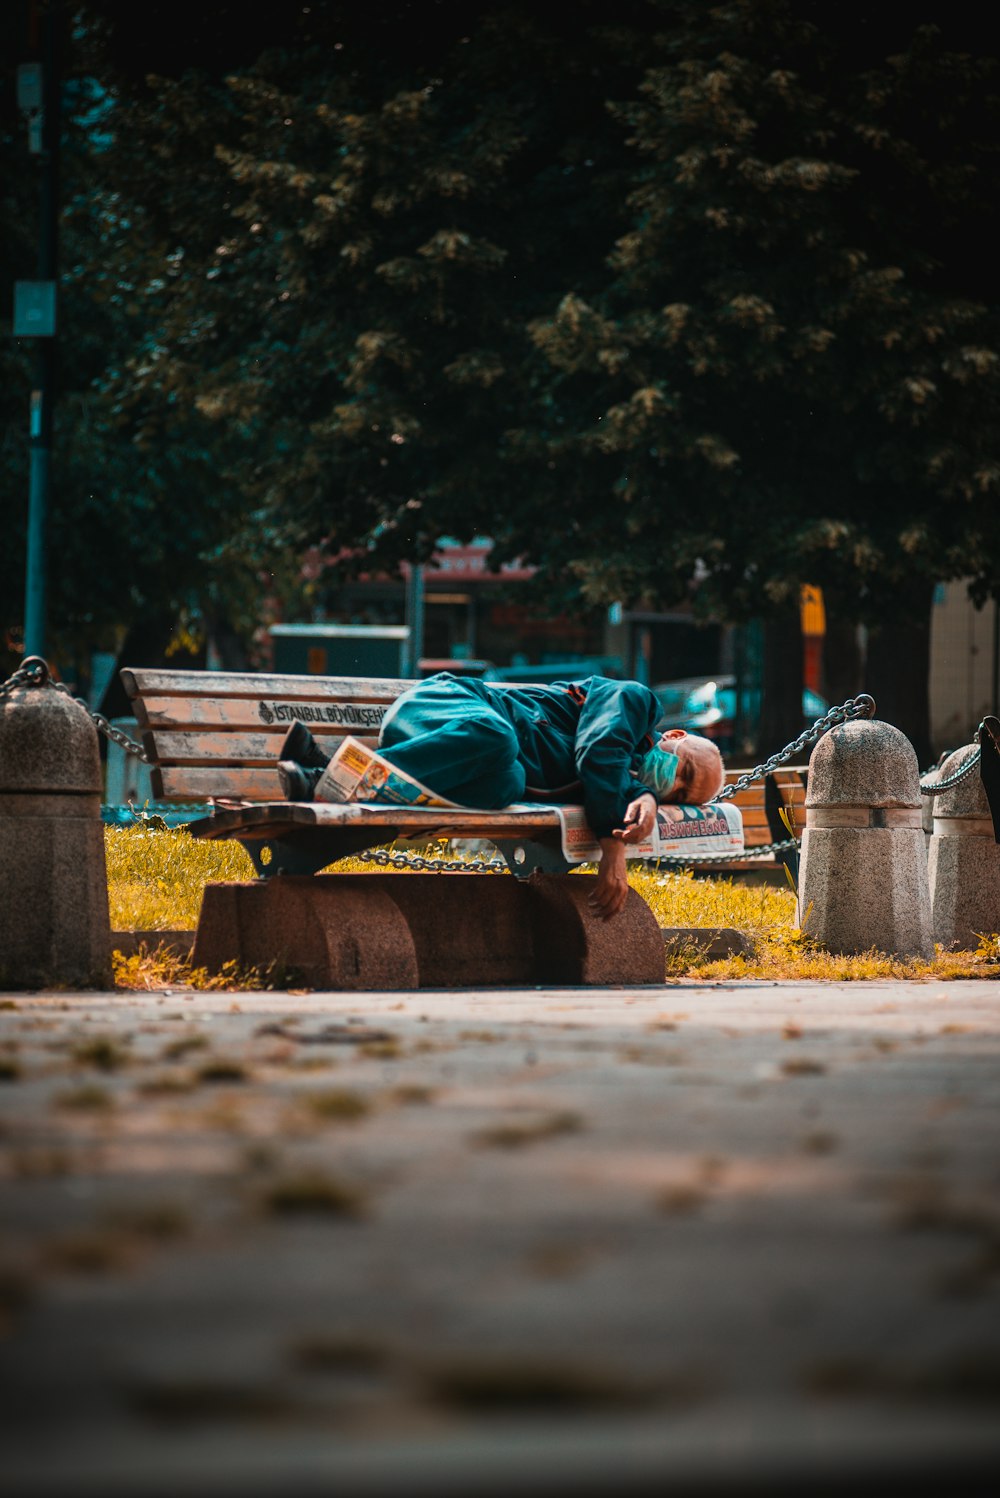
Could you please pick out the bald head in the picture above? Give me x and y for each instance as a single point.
(700, 771)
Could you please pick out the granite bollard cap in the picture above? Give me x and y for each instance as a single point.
(968, 798)
(864, 763)
(47, 744)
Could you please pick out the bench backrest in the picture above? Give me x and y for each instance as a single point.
(761, 802)
(217, 734)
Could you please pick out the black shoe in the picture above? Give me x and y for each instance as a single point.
(298, 782)
(300, 746)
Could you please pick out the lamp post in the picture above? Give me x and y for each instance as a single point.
(38, 89)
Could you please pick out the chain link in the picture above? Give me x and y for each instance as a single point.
(766, 850)
(24, 676)
(385, 859)
(34, 672)
(108, 729)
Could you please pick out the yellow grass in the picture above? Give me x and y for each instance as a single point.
(156, 879)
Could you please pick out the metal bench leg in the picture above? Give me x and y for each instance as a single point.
(276, 857)
(309, 854)
(525, 859)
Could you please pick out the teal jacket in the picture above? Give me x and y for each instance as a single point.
(570, 741)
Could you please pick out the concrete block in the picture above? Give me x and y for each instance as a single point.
(963, 861)
(927, 806)
(54, 924)
(866, 888)
(329, 929)
(573, 945)
(468, 930)
(863, 874)
(392, 931)
(48, 744)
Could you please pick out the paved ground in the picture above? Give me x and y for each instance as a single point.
(732, 1239)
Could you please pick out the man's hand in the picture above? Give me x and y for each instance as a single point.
(611, 889)
(640, 819)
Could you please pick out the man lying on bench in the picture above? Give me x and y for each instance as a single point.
(486, 746)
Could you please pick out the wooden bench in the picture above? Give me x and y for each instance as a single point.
(215, 736)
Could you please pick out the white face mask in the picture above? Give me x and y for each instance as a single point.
(658, 770)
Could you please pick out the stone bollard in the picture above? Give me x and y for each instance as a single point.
(863, 875)
(54, 927)
(963, 862)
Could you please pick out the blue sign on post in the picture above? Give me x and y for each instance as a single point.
(34, 309)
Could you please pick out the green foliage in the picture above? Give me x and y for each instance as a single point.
(682, 292)
(798, 344)
(351, 318)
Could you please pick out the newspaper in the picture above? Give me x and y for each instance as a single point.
(680, 831)
(358, 773)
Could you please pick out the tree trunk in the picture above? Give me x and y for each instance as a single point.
(781, 682)
(897, 672)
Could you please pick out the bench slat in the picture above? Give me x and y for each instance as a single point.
(275, 714)
(262, 786)
(138, 681)
(260, 783)
(238, 749)
(275, 820)
(201, 783)
(754, 822)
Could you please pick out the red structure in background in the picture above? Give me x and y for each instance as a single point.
(488, 615)
(470, 610)
(813, 615)
(456, 563)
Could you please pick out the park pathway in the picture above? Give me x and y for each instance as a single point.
(698, 1239)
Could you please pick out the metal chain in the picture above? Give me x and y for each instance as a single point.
(385, 859)
(935, 787)
(34, 672)
(24, 676)
(108, 729)
(862, 706)
(766, 850)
